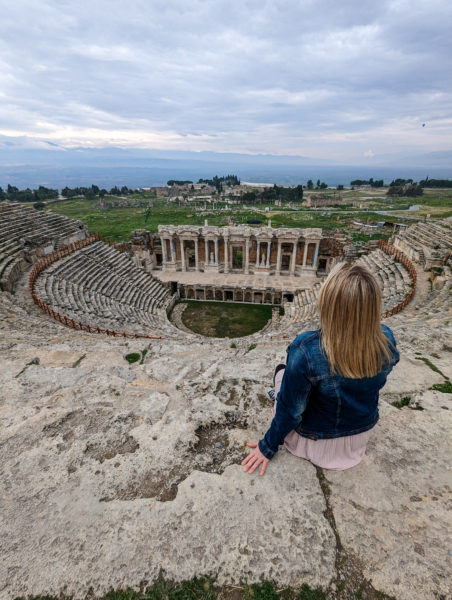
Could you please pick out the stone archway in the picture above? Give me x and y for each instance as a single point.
(237, 257)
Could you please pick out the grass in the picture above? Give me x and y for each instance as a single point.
(445, 388)
(78, 361)
(431, 365)
(205, 589)
(403, 402)
(117, 224)
(225, 319)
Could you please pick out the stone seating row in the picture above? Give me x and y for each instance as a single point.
(302, 314)
(26, 233)
(427, 238)
(394, 280)
(98, 310)
(105, 270)
(299, 315)
(102, 287)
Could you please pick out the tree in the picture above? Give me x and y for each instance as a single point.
(410, 190)
(39, 205)
(318, 184)
(43, 193)
(2, 195)
(310, 185)
(340, 187)
(249, 197)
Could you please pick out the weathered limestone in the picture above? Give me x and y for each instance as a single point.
(111, 472)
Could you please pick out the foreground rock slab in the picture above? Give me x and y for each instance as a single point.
(111, 472)
(393, 510)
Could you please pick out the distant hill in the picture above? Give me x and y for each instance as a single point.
(30, 163)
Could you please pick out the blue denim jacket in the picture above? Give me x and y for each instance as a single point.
(318, 404)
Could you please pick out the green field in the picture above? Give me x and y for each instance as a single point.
(224, 319)
(117, 224)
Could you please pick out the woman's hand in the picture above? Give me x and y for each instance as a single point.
(254, 459)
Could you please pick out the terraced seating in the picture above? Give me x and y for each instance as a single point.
(26, 234)
(426, 243)
(102, 287)
(301, 314)
(394, 280)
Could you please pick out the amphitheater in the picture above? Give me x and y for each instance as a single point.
(114, 472)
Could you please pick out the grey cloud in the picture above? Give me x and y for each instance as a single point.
(237, 70)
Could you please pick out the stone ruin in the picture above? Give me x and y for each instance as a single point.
(113, 472)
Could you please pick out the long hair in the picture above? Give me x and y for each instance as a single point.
(349, 304)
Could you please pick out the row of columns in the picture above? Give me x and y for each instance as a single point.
(265, 263)
(275, 296)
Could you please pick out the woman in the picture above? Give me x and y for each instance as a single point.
(327, 394)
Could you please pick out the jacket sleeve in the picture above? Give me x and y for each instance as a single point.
(292, 400)
(392, 345)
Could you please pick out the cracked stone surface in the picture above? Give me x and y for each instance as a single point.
(112, 472)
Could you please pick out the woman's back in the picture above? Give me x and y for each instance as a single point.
(337, 405)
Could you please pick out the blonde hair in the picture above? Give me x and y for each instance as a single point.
(350, 307)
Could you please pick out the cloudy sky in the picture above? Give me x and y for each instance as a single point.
(346, 81)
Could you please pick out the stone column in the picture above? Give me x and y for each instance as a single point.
(226, 261)
(294, 256)
(196, 255)
(258, 251)
(206, 251)
(247, 256)
(216, 251)
(268, 254)
(173, 251)
(305, 252)
(278, 259)
(182, 254)
(316, 254)
(164, 250)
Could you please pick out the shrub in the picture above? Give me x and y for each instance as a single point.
(133, 357)
(403, 402)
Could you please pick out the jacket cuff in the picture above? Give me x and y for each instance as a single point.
(266, 450)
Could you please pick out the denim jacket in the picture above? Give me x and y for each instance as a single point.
(318, 404)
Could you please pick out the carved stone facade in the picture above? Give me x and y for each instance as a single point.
(243, 249)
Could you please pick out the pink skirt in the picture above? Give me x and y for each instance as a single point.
(338, 453)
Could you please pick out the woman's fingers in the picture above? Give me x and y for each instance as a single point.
(247, 458)
(256, 463)
(251, 460)
(254, 459)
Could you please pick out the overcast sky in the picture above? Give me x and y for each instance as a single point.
(349, 81)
